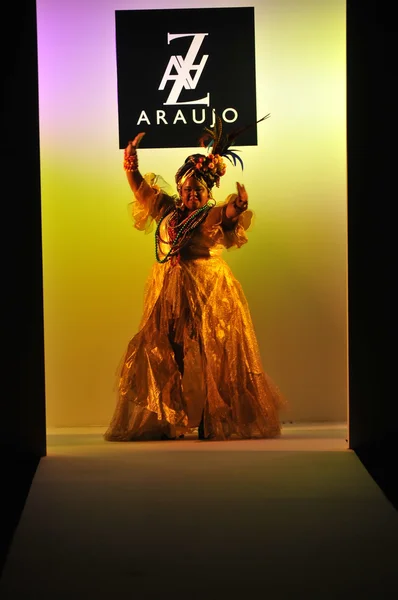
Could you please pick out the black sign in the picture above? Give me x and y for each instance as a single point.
(177, 68)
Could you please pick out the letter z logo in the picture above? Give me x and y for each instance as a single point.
(183, 67)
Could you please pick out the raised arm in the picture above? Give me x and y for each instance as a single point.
(150, 201)
(130, 163)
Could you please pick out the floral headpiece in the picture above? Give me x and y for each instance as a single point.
(213, 165)
(208, 169)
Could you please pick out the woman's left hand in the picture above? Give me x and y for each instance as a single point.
(133, 144)
(235, 207)
(242, 200)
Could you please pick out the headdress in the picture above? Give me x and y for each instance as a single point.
(208, 169)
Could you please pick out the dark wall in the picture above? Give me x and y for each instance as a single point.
(22, 426)
(372, 235)
(22, 421)
(372, 195)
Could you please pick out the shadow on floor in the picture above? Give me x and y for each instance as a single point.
(18, 472)
(380, 460)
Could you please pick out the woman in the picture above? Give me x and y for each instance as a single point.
(194, 362)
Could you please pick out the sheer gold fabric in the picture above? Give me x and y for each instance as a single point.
(195, 351)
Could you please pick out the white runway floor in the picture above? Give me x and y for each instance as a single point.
(301, 437)
(294, 517)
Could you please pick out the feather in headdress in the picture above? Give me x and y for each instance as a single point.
(214, 139)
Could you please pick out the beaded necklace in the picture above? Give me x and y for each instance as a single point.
(179, 233)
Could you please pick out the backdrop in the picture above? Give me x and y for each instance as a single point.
(294, 268)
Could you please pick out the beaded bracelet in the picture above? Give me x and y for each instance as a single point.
(130, 163)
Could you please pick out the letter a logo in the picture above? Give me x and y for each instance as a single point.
(183, 66)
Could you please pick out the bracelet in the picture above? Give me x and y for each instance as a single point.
(130, 163)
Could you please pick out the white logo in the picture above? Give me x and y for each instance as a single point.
(183, 67)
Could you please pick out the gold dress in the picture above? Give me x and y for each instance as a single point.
(195, 354)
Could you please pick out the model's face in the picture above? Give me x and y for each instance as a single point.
(193, 194)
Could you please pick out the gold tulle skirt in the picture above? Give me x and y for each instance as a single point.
(195, 357)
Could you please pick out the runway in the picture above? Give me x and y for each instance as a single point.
(297, 516)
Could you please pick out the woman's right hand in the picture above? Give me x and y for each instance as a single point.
(133, 144)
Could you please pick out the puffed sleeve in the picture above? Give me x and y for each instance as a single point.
(152, 199)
